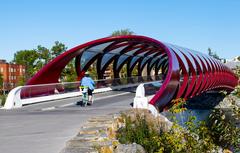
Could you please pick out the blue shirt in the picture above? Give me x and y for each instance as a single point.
(87, 81)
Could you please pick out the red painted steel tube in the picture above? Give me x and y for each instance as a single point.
(200, 72)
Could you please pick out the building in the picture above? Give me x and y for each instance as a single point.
(11, 74)
(233, 63)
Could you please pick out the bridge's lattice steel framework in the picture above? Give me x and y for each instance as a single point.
(188, 73)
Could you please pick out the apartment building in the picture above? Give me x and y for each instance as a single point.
(11, 73)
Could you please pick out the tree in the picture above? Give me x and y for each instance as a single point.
(57, 49)
(122, 32)
(68, 74)
(35, 59)
(21, 81)
(210, 53)
(213, 54)
(238, 58)
(27, 58)
(44, 57)
(44, 54)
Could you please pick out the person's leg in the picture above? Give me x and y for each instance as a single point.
(90, 100)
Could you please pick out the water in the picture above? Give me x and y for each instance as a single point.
(201, 115)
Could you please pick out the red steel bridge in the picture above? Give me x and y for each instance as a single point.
(186, 73)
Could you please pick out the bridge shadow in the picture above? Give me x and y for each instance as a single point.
(204, 101)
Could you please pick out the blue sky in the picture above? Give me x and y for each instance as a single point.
(194, 24)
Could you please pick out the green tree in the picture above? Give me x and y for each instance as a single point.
(122, 32)
(213, 54)
(44, 57)
(68, 74)
(27, 58)
(57, 49)
(35, 59)
(21, 81)
(44, 54)
(238, 58)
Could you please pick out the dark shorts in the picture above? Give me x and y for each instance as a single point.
(90, 92)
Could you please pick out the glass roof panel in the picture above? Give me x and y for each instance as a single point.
(161, 60)
(132, 51)
(144, 61)
(143, 53)
(106, 58)
(118, 50)
(121, 59)
(86, 57)
(134, 59)
(151, 55)
(153, 61)
(99, 48)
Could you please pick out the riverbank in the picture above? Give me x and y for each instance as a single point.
(101, 134)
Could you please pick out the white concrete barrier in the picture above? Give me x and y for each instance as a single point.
(14, 100)
(142, 102)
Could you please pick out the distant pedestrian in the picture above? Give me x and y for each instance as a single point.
(87, 82)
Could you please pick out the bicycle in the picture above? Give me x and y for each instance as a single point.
(84, 90)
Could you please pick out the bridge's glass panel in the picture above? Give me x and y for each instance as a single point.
(143, 53)
(121, 59)
(132, 51)
(106, 58)
(99, 48)
(161, 60)
(151, 55)
(133, 61)
(144, 61)
(153, 61)
(179, 53)
(86, 57)
(188, 55)
(118, 50)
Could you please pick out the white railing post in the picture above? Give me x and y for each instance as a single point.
(13, 99)
(140, 101)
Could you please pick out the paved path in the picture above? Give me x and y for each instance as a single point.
(45, 127)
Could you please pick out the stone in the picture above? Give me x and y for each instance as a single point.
(129, 148)
(78, 144)
(92, 130)
(106, 149)
(79, 150)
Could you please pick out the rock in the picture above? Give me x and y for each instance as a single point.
(129, 148)
(106, 149)
(78, 150)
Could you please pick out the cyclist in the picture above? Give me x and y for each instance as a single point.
(88, 83)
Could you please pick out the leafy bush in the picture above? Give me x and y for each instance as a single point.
(141, 130)
(224, 131)
(236, 91)
(2, 99)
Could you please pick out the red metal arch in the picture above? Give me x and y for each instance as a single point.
(200, 72)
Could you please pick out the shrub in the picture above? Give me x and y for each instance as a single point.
(236, 91)
(196, 138)
(224, 131)
(2, 99)
(139, 131)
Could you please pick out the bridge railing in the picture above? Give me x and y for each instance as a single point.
(31, 91)
(45, 92)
